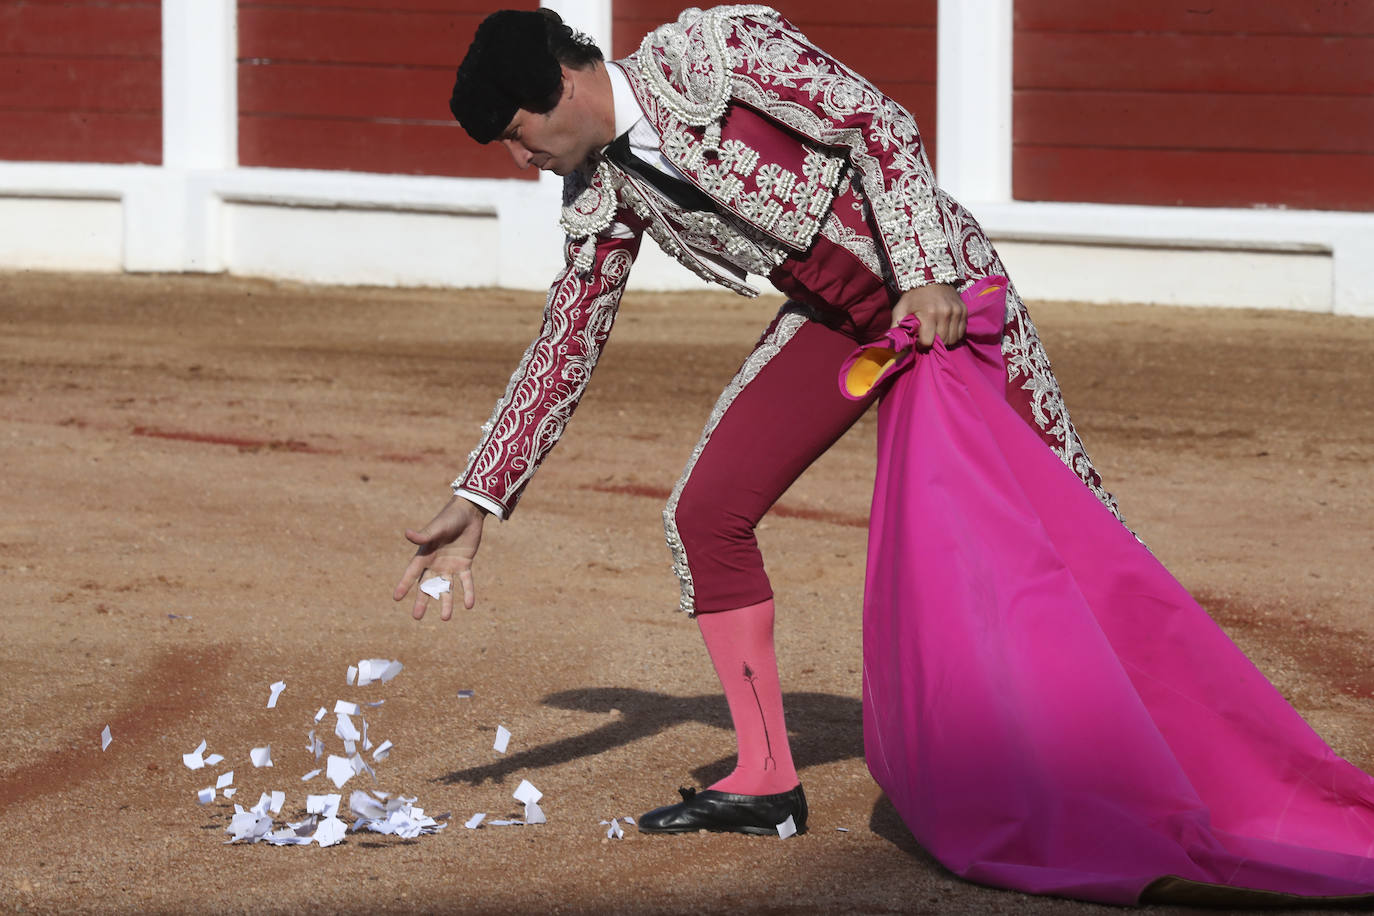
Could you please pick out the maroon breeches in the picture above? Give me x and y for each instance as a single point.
(778, 415)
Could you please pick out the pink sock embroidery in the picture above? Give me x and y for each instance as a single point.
(740, 643)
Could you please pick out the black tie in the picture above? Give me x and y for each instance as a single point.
(683, 193)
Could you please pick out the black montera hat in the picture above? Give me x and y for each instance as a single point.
(508, 66)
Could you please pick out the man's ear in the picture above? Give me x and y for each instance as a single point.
(566, 90)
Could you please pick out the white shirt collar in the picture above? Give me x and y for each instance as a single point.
(627, 110)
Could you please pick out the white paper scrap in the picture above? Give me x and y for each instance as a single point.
(264, 802)
(339, 770)
(787, 828)
(375, 703)
(473, 822)
(327, 805)
(278, 799)
(502, 739)
(206, 795)
(615, 831)
(311, 775)
(534, 814)
(262, 756)
(383, 751)
(320, 715)
(105, 738)
(393, 668)
(194, 760)
(225, 779)
(527, 793)
(214, 760)
(436, 586)
(248, 825)
(350, 748)
(330, 831)
(276, 689)
(504, 823)
(628, 820)
(229, 793)
(366, 807)
(345, 729)
(367, 742)
(842, 829)
(345, 708)
(352, 675)
(466, 694)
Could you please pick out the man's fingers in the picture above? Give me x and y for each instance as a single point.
(409, 577)
(421, 602)
(469, 592)
(419, 537)
(446, 605)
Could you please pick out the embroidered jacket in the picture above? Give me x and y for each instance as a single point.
(789, 144)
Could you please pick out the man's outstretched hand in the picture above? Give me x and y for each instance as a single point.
(447, 547)
(940, 310)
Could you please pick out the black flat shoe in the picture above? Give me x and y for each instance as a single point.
(725, 812)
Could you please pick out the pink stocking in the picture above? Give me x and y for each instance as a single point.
(740, 643)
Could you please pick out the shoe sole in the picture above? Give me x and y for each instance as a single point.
(752, 831)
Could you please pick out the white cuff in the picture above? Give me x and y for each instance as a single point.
(486, 503)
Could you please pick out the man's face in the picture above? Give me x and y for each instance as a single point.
(557, 141)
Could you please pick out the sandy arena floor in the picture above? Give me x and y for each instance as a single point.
(245, 455)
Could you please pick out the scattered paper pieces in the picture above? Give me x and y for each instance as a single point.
(330, 831)
(345, 729)
(339, 770)
(379, 812)
(436, 586)
(502, 740)
(248, 825)
(179, 617)
(473, 822)
(787, 828)
(466, 694)
(327, 805)
(377, 669)
(105, 738)
(194, 760)
(841, 829)
(529, 795)
(614, 831)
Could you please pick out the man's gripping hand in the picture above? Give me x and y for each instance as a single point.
(939, 309)
(447, 547)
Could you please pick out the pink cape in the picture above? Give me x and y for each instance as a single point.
(1044, 704)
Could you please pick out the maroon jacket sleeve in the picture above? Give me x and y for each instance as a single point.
(547, 385)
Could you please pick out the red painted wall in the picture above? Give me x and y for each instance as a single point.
(359, 85)
(1217, 103)
(82, 81)
(891, 42)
